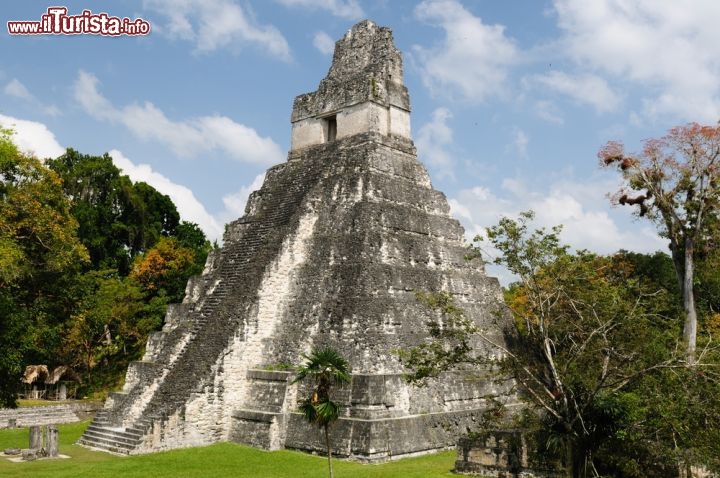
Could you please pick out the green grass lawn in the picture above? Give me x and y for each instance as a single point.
(221, 460)
(29, 402)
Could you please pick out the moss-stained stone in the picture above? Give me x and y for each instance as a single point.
(331, 251)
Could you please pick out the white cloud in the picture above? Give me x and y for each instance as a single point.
(520, 143)
(324, 43)
(235, 203)
(51, 110)
(582, 228)
(33, 137)
(589, 222)
(218, 24)
(18, 90)
(668, 49)
(87, 94)
(187, 204)
(349, 9)
(433, 139)
(584, 88)
(548, 111)
(185, 138)
(478, 207)
(473, 59)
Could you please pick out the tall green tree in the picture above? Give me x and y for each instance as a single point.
(601, 336)
(149, 216)
(118, 219)
(590, 339)
(164, 269)
(40, 255)
(673, 182)
(327, 369)
(142, 257)
(707, 290)
(189, 234)
(99, 195)
(114, 315)
(103, 328)
(73, 231)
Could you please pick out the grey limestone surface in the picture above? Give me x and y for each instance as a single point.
(331, 251)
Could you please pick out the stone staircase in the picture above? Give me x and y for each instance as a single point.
(44, 415)
(221, 315)
(102, 435)
(204, 329)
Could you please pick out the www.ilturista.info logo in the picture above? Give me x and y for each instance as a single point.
(57, 22)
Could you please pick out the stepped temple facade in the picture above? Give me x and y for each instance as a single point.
(331, 251)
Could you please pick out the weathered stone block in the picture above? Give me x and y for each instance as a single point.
(498, 453)
(30, 455)
(52, 441)
(36, 437)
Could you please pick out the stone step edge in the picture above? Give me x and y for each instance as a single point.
(248, 415)
(113, 439)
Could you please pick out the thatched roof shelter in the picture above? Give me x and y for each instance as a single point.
(62, 372)
(35, 373)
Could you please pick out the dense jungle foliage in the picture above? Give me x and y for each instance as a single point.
(89, 262)
(595, 346)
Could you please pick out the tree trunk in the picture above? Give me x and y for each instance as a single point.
(580, 459)
(690, 328)
(329, 451)
(678, 259)
(88, 362)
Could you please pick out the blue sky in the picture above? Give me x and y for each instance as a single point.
(511, 99)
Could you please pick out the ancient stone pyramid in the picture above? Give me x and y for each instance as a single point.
(331, 251)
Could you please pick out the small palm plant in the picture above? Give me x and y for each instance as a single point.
(327, 368)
